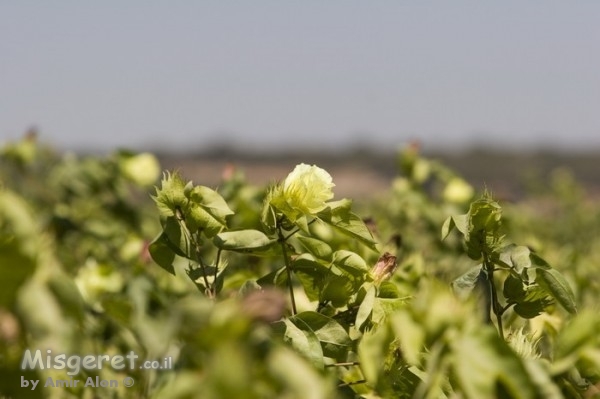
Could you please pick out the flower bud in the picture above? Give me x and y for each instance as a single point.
(384, 268)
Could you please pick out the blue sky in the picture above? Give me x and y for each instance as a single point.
(273, 74)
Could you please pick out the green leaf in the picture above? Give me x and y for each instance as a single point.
(366, 306)
(211, 202)
(535, 301)
(197, 218)
(517, 257)
(385, 307)
(340, 209)
(337, 290)
(276, 278)
(531, 309)
(483, 361)
(312, 275)
(553, 281)
(333, 337)
(538, 261)
(460, 222)
(243, 241)
(373, 349)
(350, 263)
(411, 336)
(514, 289)
(178, 237)
(303, 339)
(316, 247)
(388, 290)
(348, 223)
(464, 285)
(162, 252)
(579, 333)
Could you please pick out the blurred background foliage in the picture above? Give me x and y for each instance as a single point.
(76, 277)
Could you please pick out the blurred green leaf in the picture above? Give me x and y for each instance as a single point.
(554, 282)
(163, 252)
(366, 306)
(483, 362)
(467, 282)
(303, 339)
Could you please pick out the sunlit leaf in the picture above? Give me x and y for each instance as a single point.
(483, 361)
(366, 306)
(212, 202)
(316, 247)
(243, 240)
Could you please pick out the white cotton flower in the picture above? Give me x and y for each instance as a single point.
(304, 191)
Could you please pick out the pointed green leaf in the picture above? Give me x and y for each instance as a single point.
(276, 278)
(348, 223)
(411, 336)
(530, 309)
(355, 227)
(243, 241)
(196, 218)
(366, 306)
(351, 263)
(460, 222)
(464, 285)
(211, 202)
(514, 289)
(484, 361)
(516, 256)
(161, 251)
(303, 339)
(333, 337)
(312, 275)
(177, 237)
(581, 332)
(373, 349)
(316, 247)
(553, 281)
(337, 290)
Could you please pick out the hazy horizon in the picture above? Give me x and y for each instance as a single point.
(325, 75)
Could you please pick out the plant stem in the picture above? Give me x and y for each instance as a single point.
(216, 271)
(209, 287)
(496, 308)
(288, 269)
